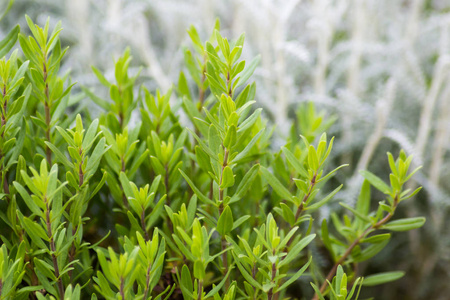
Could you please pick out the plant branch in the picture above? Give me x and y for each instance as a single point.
(274, 272)
(147, 280)
(166, 183)
(300, 207)
(53, 249)
(223, 242)
(143, 225)
(48, 151)
(353, 245)
(122, 286)
(200, 288)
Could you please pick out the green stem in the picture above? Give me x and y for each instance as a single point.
(147, 238)
(122, 286)
(166, 183)
(274, 272)
(300, 208)
(200, 288)
(48, 151)
(223, 242)
(53, 249)
(147, 282)
(3, 123)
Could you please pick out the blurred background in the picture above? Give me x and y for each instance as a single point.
(379, 68)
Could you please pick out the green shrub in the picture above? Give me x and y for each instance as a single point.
(116, 208)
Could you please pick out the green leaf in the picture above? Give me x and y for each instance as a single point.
(35, 232)
(203, 159)
(248, 71)
(28, 200)
(183, 87)
(375, 181)
(199, 270)
(317, 290)
(214, 139)
(230, 138)
(90, 135)
(225, 223)
(295, 250)
(59, 155)
(245, 183)
(363, 204)
(66, 136)
(356, 213)
(97, 100)
(295, 276)
(326, 238)
(276, 184)
(377, 238)
(246, 275)
(125, 182)
(96, 155)
(370, 251)
(313, 160)
(217, 288)
(243, 154)
(7, 9)
(324, 200)
(295, 162)
(250, 121)
(9, 41)
(44, 268)
(239, 221)
(288, 215)
(405, 224)
(199, 194)
(227, 178)
(204, 146)
(382, 278)
(100, 77)
(187, 287)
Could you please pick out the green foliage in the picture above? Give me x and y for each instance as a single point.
(209, 211)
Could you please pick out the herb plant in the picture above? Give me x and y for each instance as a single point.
(161, 208)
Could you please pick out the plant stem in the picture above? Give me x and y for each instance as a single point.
(53, 249)
(5, 104)
(166, 183)
(147, 281)
(229, 85)
(223, 242)
(200, 288)
(201, 91)
(72, 252)
(80, 173)
(274, 272)
(48, 151)
(5, 181)
(352, 246)
(121, 117)
(143, 225)
(124, 198)
(300, 207)
(122, 292)
(3, 123)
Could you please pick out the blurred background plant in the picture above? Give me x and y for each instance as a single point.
(378, 68)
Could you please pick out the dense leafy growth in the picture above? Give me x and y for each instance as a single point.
(139, 204)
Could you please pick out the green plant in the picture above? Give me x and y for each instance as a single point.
(228, 217)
